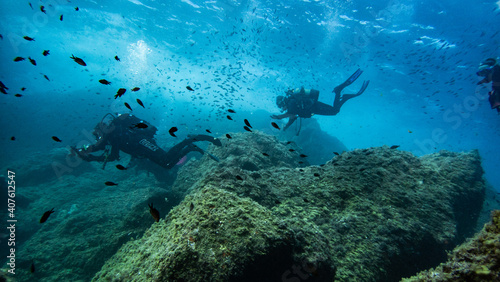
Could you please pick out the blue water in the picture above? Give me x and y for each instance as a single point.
(420, 57)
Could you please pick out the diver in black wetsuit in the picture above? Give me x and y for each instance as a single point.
(135, 137)
(304, 102)
(490, 70)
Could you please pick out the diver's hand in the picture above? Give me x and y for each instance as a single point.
(79, 152)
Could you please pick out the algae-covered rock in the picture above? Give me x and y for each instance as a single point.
(246, 151)
(368, 215)
(213, 235)
(476, 260)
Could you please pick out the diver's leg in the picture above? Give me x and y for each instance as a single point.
(339, 101)
(324, 109)
(348, 82)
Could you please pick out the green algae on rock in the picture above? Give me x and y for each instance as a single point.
(478, 259)
(367, 215)
(213, 235)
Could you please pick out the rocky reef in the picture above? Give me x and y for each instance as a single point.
(478, 259)
(375, 214)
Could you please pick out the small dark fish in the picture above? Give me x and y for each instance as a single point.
(116, 58)
(275, 125)
(189, 88)
(306, 200)
(228, 136)
(120, 92)
(154, 212)
(78, 60)
(208, 131)
(247, 123)
(231, 111)
(46, 215)
(46, 77)
(3, 90)
(24, 88)
(29, 38)
(172, 130)
(362, 169)
(229, 117)
(135, 89)
(191, 207)
(277, 202)
(265, 154)
(42, 8)
(13, 138)
(120, 167)
(30, 5)
(141, 125)
(1, 36)
(3, 85)
(247, 129)
(394, 146)
(289, 142)
(19, 59)
(127, 105)
(239, 177)
(56, 139)
(303, 156)
(316, 174)
(18, 95)
(61, 18)
(77, 9)
(110, 183)
(46, 52)
(104, 81)
(32, 268)
(140, 103)
(336, 154)
(33, 62)
(291, 150)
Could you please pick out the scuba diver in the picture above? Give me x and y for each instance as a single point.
(304, 103)
(135, 137)
(490, 70)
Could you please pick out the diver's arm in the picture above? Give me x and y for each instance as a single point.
(290, 122)
(282, 116)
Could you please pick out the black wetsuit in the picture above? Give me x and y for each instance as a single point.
(494, 97)
(123, 134)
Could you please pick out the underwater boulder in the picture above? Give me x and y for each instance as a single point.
(374, 214)
(478, 259)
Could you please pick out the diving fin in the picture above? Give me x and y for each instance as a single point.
(363, 87)
(353, 77)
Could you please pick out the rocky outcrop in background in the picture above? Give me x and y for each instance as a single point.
(375, 214)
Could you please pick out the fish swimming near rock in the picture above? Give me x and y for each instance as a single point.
(140, 103)
(32, 267)
(120, 92)
(128, 106)
(55, 138)
(247, 129)
(78, 60)
(172, 131)
(46, 215)
(394, 147)
(104, 81)
(247, 123)
(110, 183)
(120, 167)
(154, 212)
(141, 125)
(275, 125)
(228, 136)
